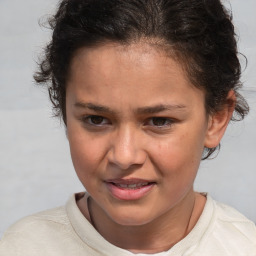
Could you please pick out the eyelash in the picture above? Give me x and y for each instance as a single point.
(167, 122)
(88, 120)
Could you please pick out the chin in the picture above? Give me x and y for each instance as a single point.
(131, 218)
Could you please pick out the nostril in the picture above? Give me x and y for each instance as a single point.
(126, 160)
(126, 150)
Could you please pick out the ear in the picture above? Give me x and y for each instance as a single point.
(219, 121)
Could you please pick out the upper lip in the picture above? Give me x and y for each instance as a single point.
(128, 181)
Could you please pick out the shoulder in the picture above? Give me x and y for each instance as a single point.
(231, 231)
(229, 217)
(33, 232)
(46, 219)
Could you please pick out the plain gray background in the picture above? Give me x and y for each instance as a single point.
(36, 172)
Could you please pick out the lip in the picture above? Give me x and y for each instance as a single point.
(129, 189)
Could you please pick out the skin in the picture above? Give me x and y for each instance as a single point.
(150, 124)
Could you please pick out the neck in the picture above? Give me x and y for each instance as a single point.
(156, 236)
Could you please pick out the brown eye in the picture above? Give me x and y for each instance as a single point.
(94, 120)
(97, 120)
(160, 121)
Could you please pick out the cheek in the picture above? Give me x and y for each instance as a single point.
(86, 154)
(178, 155)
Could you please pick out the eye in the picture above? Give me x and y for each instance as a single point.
(160, 122)
(95, 120)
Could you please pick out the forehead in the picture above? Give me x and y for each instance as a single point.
(126, 70)
(105, 56)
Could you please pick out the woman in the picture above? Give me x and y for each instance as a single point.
(146, 89)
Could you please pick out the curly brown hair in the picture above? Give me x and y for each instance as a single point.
(199, 32)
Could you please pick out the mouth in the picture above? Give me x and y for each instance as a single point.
(129, 189)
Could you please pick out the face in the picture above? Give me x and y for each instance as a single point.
(136, 128)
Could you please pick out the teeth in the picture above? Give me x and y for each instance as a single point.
(132, 186)
(122, 185)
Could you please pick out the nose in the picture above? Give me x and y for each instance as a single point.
(127, 149)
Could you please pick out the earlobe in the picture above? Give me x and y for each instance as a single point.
(219, 121)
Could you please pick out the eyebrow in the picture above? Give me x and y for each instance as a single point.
(94, 107)
(160, 108)
(144, 110)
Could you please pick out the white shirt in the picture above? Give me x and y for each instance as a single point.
(64, 231)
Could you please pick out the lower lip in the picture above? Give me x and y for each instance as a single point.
(129, 194)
